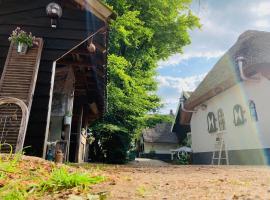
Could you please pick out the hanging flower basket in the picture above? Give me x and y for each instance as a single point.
(67, 120)
(22, 39)
(22, 48)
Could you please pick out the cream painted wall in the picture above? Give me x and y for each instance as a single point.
(160, 148)
(251, 135)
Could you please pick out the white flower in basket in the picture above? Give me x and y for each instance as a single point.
(22, 39)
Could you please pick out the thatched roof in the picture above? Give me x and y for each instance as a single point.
(254, 46)
(161, 133)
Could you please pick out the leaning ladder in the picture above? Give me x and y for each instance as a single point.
(220, 147)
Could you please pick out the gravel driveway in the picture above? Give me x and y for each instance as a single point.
(150, 179)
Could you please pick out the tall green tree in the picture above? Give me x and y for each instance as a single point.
(144, 32)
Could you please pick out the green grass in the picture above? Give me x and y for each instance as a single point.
(18, 182)
(62, 179)
(13, 192)
(9, 162)
(141, 191)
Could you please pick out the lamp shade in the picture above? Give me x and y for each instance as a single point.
(54, 10)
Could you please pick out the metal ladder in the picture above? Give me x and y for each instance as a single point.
(220, 147)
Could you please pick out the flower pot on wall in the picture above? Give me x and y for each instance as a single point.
(22, 48)
(67, 120)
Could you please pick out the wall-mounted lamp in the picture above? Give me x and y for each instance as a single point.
(54, 11)
(91, 47)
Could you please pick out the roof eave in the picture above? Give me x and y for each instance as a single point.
(98, 8)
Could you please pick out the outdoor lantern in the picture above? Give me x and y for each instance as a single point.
(54, 11)
(91, 47)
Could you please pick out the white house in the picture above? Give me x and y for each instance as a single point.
(234, 100)
(158, 141)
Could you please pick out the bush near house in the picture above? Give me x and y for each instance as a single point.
(111, 144)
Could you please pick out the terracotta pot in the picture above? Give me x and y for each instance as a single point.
(59, 156)
(22, 48)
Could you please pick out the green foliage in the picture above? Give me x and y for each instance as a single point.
(14, 193)
(61, 178)
(151, 120)
(182, 159)
(20, 36)
(9, 162)
(111, 144)
(145, 32)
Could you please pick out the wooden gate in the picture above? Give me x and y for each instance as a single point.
(17, 86)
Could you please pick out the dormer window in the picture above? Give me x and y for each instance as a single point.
(221, 120)
(211, 122)
(238, 115)
(253, 111)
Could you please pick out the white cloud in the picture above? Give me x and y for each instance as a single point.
(179, 84)
(170, 89)
(262, 8)
(262, 23)
(178, 58)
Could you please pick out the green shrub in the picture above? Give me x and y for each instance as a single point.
(111, 144)
(183, 159)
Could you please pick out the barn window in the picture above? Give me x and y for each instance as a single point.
(253, 111)
(211, 122)
(221, 120)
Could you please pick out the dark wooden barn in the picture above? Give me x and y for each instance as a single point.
(68, 75)
(180, 129)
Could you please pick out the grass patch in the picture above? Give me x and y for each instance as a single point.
(13, 192)
(141, 191)
(62, 179)
(24, 178)
(9, 162)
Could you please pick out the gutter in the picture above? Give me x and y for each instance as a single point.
(240, 60)
(182, 105)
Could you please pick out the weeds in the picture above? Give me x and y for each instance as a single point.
(9, 162)
(19, 182)
(62, 179)
(141, 191)
(13, 191)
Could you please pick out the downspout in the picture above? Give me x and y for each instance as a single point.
(183, 106)
(240, 67)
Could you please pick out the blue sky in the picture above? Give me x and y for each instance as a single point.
(222, 22)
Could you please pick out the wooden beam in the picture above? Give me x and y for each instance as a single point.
(101, 48)
(84, 51)
(75, 63)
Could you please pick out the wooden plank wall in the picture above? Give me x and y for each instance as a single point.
(30, 15)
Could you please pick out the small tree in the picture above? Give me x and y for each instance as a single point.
(144, 32)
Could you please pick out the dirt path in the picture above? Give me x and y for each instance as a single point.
(146, 179)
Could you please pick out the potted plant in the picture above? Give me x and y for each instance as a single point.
(68, 118)
(22, 39)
